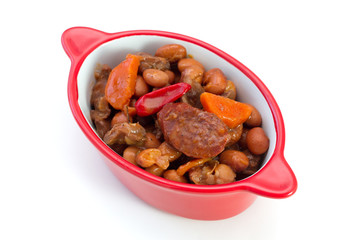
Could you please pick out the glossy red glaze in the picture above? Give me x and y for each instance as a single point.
(274, 180)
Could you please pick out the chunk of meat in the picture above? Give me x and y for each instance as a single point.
(148, 61)
(101, 74)
(102, 127)
(101, 109)
(126, 133)
(255, 162)
(194, 132)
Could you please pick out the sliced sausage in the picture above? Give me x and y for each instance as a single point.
(194, 132)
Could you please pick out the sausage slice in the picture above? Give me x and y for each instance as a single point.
(194, 132)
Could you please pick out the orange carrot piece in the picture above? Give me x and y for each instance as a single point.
(231, 112)
(121, 82)
(193, 163)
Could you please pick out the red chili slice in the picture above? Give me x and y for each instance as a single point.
(152, 102)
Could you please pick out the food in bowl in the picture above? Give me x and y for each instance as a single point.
(172, 117)
(86, 47)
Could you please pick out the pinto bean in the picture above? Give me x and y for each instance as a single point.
(171, 76)
(257, 141)
(192, 74)
(151, 141)
(155, 169)
(212, 173)
(171, 153)
(155, 77)
(150, 156)
(187, 62)
(214, 81)
(255, 119)
(237, 160)
(224, 174)
(173, 176)
(141, 88)
(147, 157)
(230, 90)
(172, 52)
(130, 153)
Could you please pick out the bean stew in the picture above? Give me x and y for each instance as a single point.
(172, 117)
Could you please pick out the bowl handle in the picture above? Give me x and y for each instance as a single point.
(274, 180)
(79, 41)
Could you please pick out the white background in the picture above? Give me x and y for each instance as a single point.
(53, 183)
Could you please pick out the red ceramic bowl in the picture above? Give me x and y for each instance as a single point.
(86, 47)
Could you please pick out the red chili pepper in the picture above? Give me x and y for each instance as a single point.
(152, 102)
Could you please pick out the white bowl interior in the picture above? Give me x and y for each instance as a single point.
(115, 51)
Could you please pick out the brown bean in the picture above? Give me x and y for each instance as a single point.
(171, 76)
(147, 157)
(257, 141)
(224, 174)
(151, 141)
(255, 119)
(214, 81)
(235, 134)
(230, 90)
(173, 176)
(172, 52)
(120, 117)
(141, 88)
(155, 77)
(186, 62)
(169, 151)
(212, 173)
(155, 169)
(150, 156)
(130, 153)
(192, 74)
(237, 160)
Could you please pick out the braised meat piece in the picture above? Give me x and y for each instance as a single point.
(126, 133)
(101, 109)
(150, 62)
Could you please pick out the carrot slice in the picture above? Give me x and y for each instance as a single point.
(231, 112)
(193, 163)
(121, 82)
